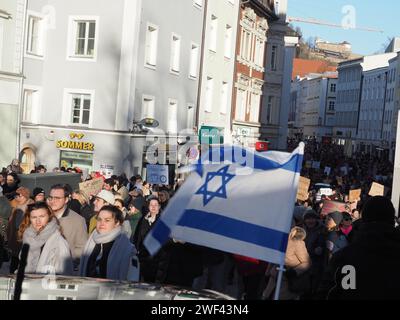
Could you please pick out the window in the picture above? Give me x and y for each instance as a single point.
(78, 107)
(333, 87)
(213, 33)
(245, 49)
(228, 41)
(209, 94)
(175, 53)
(331, 106)
(241, 105)
(31, 105)
(151, 45)
(273, 58)
(224, 97)
(269, 109)
(83, 38)
(194, 57)
(198, 3)
(172, 116)
(35, 32)
(148, 106)
(259, 54)
(255, 107)
(190, 116)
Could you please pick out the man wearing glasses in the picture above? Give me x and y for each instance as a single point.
(73, 225)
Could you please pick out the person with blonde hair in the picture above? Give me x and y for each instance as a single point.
(49, 252)
(297, 263)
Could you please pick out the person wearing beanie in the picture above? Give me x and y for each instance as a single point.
(38, 195)
(374, 255)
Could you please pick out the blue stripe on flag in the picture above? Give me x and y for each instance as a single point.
(217, 155)
(235, 229)
(161, 232)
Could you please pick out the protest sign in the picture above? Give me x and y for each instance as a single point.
(354, 195)
(302, 191)
(316, 165)
(376, 190)
(327, 171)
(91, 187)
(331, 206)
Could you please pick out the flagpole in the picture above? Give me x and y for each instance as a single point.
(279, 281)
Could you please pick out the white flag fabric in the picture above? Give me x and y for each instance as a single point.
(240, 202)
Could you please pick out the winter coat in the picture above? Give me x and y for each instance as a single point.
(74, 230)
(55, 256)
(297, 257)
(375, 256)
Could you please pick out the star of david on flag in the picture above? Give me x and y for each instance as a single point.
(221, 207)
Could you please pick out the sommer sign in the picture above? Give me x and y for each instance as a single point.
(76, 145)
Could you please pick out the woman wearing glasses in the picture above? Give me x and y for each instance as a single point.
(108, 253)
(48, 250)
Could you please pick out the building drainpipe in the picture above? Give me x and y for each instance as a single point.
(203, 45)
(21, 83)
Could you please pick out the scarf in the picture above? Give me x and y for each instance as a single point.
(36, 240)
(347, 230)
(98, 238)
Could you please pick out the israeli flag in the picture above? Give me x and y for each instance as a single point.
(237, 201)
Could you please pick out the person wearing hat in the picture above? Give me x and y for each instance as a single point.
(103, 198)
(22, 200)
(374, 257)
(315, 244)
(38, 195)
(335, 239)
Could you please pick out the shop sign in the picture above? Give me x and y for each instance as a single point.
(157, 174)
(77, 156)
(76, 145)
(211, 135)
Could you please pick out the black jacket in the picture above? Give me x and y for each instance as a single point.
(375, 256)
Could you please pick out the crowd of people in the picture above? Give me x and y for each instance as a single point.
(102, 235)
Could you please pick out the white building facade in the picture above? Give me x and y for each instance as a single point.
(94, 71)
(12, 20)
(217, 68)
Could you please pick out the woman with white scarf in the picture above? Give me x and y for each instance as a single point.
(108, 253)
(48, 250)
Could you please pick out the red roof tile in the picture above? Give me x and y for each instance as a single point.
(302, 67)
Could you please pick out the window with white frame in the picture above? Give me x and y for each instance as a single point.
(172, 126)
(333, 87)
(83, 38)
(241, 101)
(148, 106)
(273, 57)
(213, 33)
(35, 35)
(151, 45)
(190, 116)
(224, 97)
(198, 3)
(228, 41)
(331, 106)
(31, 105)
(269, 108)
(259, 54)
(255, 107)
(245, 48)
(175, 53)
(194, 57)
(209, 94)
(80, 108)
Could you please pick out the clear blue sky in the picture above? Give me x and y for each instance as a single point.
(383, 15)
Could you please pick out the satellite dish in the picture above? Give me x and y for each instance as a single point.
(149, 123)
